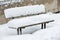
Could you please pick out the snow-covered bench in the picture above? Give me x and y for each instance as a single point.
(20, 23)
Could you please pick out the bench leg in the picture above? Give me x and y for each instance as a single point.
(18, 31)
(42, 26)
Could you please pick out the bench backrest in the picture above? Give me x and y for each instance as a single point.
(25, 10)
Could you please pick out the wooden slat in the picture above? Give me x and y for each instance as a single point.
(36, 24)
(28, 15)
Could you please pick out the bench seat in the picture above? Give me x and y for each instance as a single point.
(20, 22)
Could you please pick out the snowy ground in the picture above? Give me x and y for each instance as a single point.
(51, 33)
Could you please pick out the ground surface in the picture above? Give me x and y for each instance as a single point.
(12, 33)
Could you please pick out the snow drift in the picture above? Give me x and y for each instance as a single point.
(52, 33)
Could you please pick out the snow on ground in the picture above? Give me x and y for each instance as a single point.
(45, 34)
(25, 10)
(6, 32)
(20, 37)
(51, 33)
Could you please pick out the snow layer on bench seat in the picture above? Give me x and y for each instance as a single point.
(25, 10)
(29, 20)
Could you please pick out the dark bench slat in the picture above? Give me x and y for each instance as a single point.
(37, 23)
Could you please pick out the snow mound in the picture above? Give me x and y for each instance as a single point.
(52, 33)
(25, 10)
(20, 37)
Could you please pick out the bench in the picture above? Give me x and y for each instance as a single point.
(30, 16)
(43, 26)
(21, 23)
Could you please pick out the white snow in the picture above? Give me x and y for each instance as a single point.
(1, 0)
(10, 2)
(51, 33)
(20, 37)
(25, 10)
(15, 23)
(6, 32)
